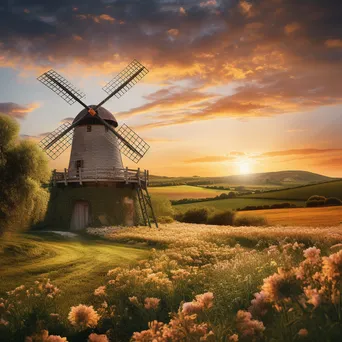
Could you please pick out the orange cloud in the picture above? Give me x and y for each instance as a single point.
(291, 28)
(173, 32)
(209, 159)
(333, 43)
(17, 111)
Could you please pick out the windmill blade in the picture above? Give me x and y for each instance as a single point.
(140, 146)
(56, 142)
(62, 87)
(124, 81)
(122, 139)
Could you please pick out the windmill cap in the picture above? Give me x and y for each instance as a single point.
(87, 119)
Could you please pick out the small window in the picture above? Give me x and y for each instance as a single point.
(88, 128)
(79, 163)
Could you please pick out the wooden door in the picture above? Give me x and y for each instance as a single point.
(80, 216)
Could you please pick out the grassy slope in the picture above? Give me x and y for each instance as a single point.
(184, 191)
(232, 203)
(304, 217)
(70, 264)
(331, 189)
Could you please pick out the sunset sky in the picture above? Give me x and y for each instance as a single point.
(234, 86)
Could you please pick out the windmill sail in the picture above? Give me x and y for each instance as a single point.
(140, 146)
(57, 148)
(63, 88)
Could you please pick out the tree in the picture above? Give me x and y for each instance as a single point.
(23, 168)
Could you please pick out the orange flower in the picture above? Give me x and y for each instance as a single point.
(83, 316)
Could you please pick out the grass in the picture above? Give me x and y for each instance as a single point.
(77, 267)
(327, 216)
(185, 191)
(330, 189)
(232, 203)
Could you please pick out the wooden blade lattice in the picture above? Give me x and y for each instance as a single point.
(134, 67)
(133, 138)
(60, 145)
(46, 79)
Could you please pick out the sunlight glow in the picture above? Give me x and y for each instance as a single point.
(244, 167)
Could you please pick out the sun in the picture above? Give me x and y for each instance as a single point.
(244, 167)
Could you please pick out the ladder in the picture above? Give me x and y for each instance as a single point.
(145, 203)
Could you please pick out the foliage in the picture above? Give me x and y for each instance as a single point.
(23, 168)
(161, 206)
(199, 215)
(244, 220)
(332, 201)
(224, 218)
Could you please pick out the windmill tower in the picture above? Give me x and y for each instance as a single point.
(96, 189)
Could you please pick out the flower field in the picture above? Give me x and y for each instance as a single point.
(198, 283)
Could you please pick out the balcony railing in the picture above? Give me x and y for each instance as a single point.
(82, 175)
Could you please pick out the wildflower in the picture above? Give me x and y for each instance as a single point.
(332, 266)
(3, 322)
(97, 338)
(303, 333)
(312, 254)
(259, 305)
(83, 316)
(281, 285)
(205, 299)
(191, 308)
(100, 291)
(44, 336)
(313, 296)
(56, 338)
(247, 326)
(151, 303)
(233, 338)
(134, 300)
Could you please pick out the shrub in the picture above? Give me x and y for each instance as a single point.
(250, 221)
(231, 194)
(225, 218)
(316, 198)
(332, 201)
(161, 206)
(315, 203)
(165, 219)
(196, 215)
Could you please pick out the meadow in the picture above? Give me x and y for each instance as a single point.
(233, 203)
(301, 217)
(75, 264)
(329, 189)
(185, 191)
(196, 283)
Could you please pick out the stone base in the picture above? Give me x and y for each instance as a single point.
(107, 204)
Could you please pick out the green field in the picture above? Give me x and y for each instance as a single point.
(185, 191)
(76, 266)
(232, 203)
(331, 189)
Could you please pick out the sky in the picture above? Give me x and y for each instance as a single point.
(234, 86)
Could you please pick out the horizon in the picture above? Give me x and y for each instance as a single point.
(235, 87)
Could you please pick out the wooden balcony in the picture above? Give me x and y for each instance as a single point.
(112, 175)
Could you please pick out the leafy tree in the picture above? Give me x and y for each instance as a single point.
(23, 168)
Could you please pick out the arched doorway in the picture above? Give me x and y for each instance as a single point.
(80, 216)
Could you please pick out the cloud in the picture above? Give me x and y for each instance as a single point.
(304, 152)
(281, 56)
(67, 120)
(17, 111)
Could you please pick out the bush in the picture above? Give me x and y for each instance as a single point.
(161, 206)
(225, 218)
(316, 198)
(332, 201)
(165, 219)
(196, 215)
(250, 221)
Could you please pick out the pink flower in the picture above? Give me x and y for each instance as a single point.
(303, 332)
(97, 338)
(332, 266)
(312, 254)
(100, 291)
(83, 316)
(151, 303)
(234, 338)
(259, 305)
(247, 326)
(205, 299)
(191, 308)
(313, 296)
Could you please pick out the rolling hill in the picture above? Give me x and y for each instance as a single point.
(279, 178)
(327, 189)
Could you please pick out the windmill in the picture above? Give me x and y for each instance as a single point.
(95, 159)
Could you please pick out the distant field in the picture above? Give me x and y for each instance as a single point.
(328, 216)
(232, 203)
(331, 189)
(184, 191)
